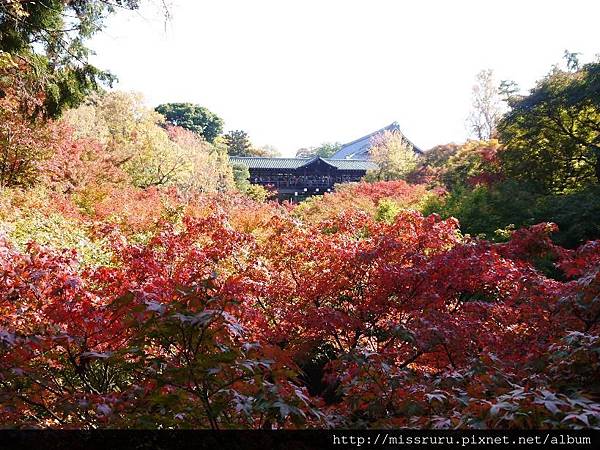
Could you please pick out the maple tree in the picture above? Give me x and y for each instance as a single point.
(224, 319)
(373, 198)
(79, 164)
(24, 141)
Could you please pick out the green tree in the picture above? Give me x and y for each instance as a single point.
(552, 135)
(497, 209)
(325, 150)
(194, 118)
(238, 143)
(482, 210)
(47, 38)
(241, 178)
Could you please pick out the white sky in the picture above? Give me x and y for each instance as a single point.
(298, 73)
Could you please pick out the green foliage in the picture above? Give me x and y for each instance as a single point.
(238, 143)
(482, 210)
(241, 177)
(49, 36)
(387, 210)
(493, 211)
(552, 135)
(577, 215)
(194, 118)
(545, 168)
(257, 193)
(58, 232)
(23, 221)
(325, 150)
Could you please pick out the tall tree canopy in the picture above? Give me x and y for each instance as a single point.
(192, 117)
(47, 39)
(552, 135)
(238, 143)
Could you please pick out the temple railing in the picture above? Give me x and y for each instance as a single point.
(300, 182)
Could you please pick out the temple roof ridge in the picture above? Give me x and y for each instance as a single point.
(391, 127)
(359, 148)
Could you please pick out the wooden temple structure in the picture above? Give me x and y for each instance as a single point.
(298, 178)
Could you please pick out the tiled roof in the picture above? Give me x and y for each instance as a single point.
(256, 162)
(350, 164)
(253, 162)
(359, 148)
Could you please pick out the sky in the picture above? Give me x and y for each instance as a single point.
(295, 74)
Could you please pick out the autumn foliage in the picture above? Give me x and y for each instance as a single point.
(221, 312)
(138, 289)
(383, 199)
(145, 283)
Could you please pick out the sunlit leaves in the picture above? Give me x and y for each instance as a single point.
(231, 314)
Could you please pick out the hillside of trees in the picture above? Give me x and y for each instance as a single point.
(145, 283)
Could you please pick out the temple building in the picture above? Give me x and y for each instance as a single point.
(298, 178)
(359, 148)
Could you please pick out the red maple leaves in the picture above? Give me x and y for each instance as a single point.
(221, 321)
